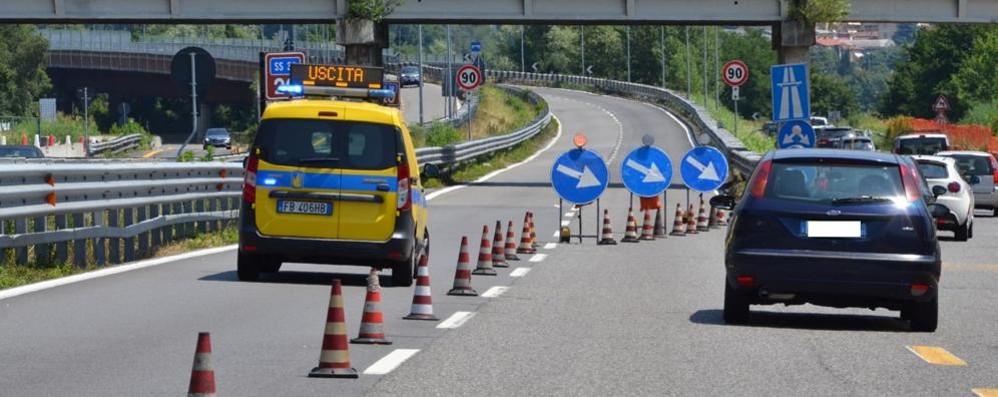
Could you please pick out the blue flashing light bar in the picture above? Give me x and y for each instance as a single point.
(381, 93)
(290, 89)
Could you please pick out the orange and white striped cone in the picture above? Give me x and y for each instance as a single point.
(722, 217)
(202, 372)
(712, 218)
(660, 224)
(678, 227)
(691, 222)
(533, 233)
(484, 267)
(372, 323)
(702, 225)
(510, 248)
(607, 235)
(525, 246)
(334, 361)
(462, 276)
(498, 256)
(647, 228)
(422, 298)
(631, 232)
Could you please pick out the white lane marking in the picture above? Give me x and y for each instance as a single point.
(44, 285)
(550, 246)
(689, 134)
(388, 363)
(556, 233)
(494, 292)
(539, 257)
(456, 320)
(565, 222)
(569, 214)
(557, 206)
(493, 174)
(519, 272)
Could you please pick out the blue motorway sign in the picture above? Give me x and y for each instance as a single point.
(704, 168)
(476, 47)
(791, 95)
(646, 171)
(281, 66)
(579, 176)
(796, 134)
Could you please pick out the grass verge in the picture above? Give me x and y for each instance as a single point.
(499, 112)
(749, 131)
(226, 236)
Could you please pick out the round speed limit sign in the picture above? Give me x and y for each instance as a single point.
(469, 77)
(734, 73)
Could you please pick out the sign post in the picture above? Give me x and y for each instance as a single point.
(580, 176)
(735, 73)
(941, 106)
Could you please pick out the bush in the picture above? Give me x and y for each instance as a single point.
(128, 129)
(899, 125)
(186, 157)
(442, 134)
(985, 114)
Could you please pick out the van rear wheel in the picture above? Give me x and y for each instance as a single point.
(248, 267)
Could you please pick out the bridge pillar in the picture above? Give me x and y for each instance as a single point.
(363, 41)
(793, 40)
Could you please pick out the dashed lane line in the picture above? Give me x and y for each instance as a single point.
(570, 214)
(936, 355)
(538, 257)
(388, 363)
(551, 246)
(519, 272)
(456, 320)
(556, 234)
(566, 222)
(494, 292)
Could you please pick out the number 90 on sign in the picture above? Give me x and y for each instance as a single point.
(469, 77)
(734, 73)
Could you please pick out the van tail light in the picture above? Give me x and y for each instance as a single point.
(404, 187)
(249, 184)
(994, 170)
(953, 187)
(760, 179)
(910, 181)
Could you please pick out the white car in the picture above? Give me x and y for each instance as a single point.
(958, 197)
(984, 167)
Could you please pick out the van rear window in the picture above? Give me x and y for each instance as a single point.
(928, 146)
(328, 143)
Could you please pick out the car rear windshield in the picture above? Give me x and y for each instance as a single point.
(829, 183)
(857, 144)
(410, 69)
(972, 165)
(928, 146)
(933, 170)
(329, 143)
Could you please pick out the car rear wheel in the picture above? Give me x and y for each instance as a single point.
(924, 316)
(736, 306)
(963, 232)
(248, 267)
(970, 233)
(271, 265)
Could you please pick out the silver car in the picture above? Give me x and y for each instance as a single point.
(943, 172)
(985, 168)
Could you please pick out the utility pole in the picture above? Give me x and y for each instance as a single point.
(523, 67)
(662, 45)
(705, 92)
(582, 42)
(194, 104)
(717, 68)
(420, 56)
(628, 53)
(86, 122)
(689, 73)
(449, 84)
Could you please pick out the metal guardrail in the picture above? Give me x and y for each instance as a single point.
(110, 212)
(116, 145)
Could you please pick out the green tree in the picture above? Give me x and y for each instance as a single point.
(22, 69)
(830, 92)
(977, 77)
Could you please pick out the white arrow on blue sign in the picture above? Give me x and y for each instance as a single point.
(646, 171)
(796, 134)
(704, 169)
(579, 176)
(791, 95)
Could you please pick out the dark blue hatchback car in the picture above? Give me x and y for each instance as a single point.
(833, 228)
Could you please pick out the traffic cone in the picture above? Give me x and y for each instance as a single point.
(691, 222)
(51, 141)
(722, 217)
(678, 227)
(647, 228)
(462, 276)
(607, 238)
(372, 323)
(498, 256)
(510, 248)
(631, 232)
(660, 224)
(24, 139)
(533, 233)
(702, 225)
(334, 361)
(525, 246)
(38, 142)
(712, 218)
(202, 372)
(422, 298)
(484, 267)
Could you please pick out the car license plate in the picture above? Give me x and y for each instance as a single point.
(834, 229)
(304, 207)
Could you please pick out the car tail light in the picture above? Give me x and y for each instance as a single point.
(745, 281)
(994, 169)
(919, 289)
(249, 184)
(953, 187)
(404, 188)
(760, 179)
(910, 181)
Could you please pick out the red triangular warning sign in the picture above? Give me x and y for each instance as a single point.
(941, 104)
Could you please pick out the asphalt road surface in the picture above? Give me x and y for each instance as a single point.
(630, 319)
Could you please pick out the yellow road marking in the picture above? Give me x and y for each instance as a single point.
(985, 392)
(936, 355)
(152, 153)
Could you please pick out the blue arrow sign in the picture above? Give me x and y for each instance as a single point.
(646, 171)
(579, 176)
(704, 169)
(791, 95)
(796, 134)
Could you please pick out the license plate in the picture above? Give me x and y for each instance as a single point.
(834, 229)
(304, 207)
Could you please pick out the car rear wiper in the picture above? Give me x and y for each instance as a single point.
(861, 200)
(317, 159)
